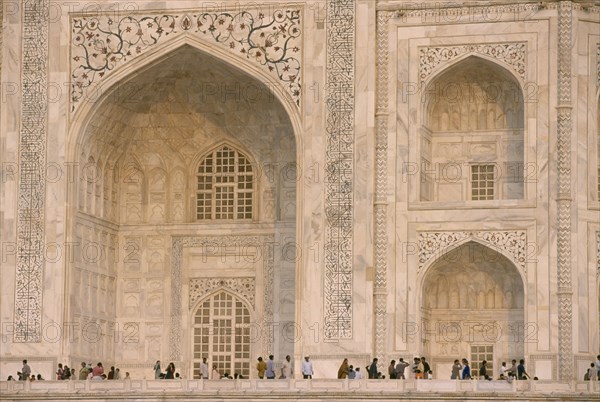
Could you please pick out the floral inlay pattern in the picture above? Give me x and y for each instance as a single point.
(200, 287)
(511, 54)
(101, 44)
(435, 244)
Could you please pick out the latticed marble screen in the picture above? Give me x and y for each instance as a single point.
(222, 335)
(480, 353)
(225, 186)
(482, 182)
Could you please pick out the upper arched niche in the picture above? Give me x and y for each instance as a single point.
(474, 94)
(472, 134)
(161, 118)
(472, 277)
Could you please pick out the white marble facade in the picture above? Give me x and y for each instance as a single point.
(335, 179)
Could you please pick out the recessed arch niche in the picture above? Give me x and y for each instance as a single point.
(473, 115)
(472, 298)
(149, 132)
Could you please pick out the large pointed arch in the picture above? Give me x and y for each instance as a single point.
(102, 91)
(222, 333)
(94, 123)
(471, 304)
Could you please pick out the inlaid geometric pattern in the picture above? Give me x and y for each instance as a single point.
(102, 43)
(32, 165)
(598, 253)
(381, 183)
(339, 169)
(433, 245)
(564, 226)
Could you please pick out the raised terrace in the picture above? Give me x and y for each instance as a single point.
(305, 390)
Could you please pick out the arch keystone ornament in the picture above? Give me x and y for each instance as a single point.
(272, 40)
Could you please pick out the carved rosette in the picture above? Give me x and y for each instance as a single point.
(32, 167)
(339, 169)
(512, 54)
(100, 44)
(201, 287)
(433, 245)
(264, 243)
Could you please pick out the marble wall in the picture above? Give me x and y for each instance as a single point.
(346, 112)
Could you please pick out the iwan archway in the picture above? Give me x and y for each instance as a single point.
(472, 306)
(186, 181)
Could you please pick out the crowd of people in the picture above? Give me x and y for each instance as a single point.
(419, 369)
(169, 374)
(86, 372)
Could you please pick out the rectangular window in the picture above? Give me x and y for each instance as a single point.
(480, 353)
(482, 182)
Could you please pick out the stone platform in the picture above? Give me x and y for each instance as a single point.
(298, 390)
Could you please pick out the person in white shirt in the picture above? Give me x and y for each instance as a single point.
(204, 368)
(286, 367)
(502, 372)
(358, 375)
(307, 368)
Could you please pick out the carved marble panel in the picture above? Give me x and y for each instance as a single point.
(433, 245)
(510, 54)
(598, 254)
(339, 155)
(200, 287)
(32, 165)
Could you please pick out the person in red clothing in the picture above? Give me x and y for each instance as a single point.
(97, 372)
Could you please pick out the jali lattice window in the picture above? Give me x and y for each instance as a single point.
(222, 335)
(479, 354)
(225, 186)
(482, 182)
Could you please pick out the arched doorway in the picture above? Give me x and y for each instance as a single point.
(472, 135)
(183, 146)
(222, 331)
(472, 306)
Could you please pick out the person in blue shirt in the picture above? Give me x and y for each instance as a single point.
(466, 372)
(270, 373)
(521, 373)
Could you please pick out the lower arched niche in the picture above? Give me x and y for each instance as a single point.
(472, 307)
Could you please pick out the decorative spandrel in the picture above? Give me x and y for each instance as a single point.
(511, 54)
(433, 245)
(99, 45)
